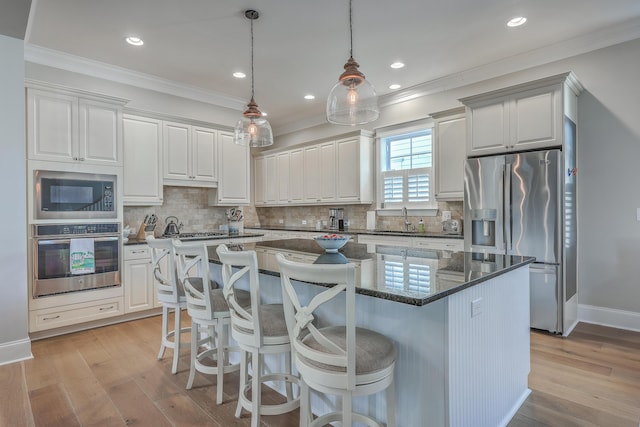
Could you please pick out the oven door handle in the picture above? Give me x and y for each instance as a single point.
(63, 241)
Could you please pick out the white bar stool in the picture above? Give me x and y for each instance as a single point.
(258, 329)
(170, 294)
(209, 311)
(342, 360)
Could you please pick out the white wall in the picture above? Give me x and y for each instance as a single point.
(14, 340)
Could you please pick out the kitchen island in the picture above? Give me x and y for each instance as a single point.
(460, 322)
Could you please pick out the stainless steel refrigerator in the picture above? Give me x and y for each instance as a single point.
(524, 204)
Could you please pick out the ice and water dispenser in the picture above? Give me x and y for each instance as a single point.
(483, 227)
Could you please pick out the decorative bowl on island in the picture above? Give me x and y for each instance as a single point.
(331, 242)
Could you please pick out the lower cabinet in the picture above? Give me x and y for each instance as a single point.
(67, 315)
(139, 284)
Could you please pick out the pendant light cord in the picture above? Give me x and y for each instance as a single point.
(351, 28)
(252, 58)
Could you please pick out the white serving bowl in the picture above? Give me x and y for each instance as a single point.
(331, 242)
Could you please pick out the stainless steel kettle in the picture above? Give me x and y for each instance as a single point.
(172, 228)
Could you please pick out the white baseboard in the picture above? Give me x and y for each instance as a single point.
(614, 318)
(15, 351)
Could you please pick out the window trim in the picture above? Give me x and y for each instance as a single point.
(416, 208)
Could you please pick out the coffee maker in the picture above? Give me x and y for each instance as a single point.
(336, 219)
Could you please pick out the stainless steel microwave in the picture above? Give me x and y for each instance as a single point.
(74, 195)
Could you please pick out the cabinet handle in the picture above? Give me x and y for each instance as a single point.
(106, 308)
(81, 159)
(51, 318)
(75, 158)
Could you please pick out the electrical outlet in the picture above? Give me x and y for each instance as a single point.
(304, 222)
(281, 221)
(446, 215)
(638, 214)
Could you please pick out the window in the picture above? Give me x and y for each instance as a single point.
(406, 170)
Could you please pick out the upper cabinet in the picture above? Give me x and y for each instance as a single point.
(449, 151)
(73, 126)
(336, 171)
(142, 173)
(523, 117)
(234, 185)
(190, 155)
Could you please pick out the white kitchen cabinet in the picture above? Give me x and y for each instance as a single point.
(271, 179)
(523, 117)
(234, 184)
(283, 167)
(296, 176)
(312, 174)
(72, 314)
(190, 155)
(138, 279)
(354, 160)
(259, 180)
(74, 127)
(439, 244)
(328, 172)
(450, 154)
(142, 176)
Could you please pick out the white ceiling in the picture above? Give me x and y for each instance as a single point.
(301, 45)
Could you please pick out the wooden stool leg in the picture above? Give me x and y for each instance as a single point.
(195, 336)
(243, 381)
(391, 405)
(221, 349)
(288, 370)
(305, 406)
(165, 330)
(176, 339)
(347, 409)
(256, 393)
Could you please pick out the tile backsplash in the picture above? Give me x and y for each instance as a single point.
(190, 206)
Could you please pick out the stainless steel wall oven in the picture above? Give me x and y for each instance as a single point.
(55, 259)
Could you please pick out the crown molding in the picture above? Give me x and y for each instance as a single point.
(77, 64)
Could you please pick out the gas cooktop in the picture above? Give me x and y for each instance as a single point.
(196, 236)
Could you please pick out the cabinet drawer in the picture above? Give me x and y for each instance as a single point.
(439, 244)
(73, 314)
(136, 252)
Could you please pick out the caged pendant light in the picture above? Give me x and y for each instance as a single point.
(253, 129)
(353, 100)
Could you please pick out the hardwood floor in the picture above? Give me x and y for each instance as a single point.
(110, 377)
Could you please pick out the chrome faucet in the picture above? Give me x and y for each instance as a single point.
(407, 223)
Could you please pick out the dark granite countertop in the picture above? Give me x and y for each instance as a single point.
(355, 231)
(407, 275)
(217, 237)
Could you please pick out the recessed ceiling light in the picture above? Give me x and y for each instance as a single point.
(309, 96)
(239, 75)
(134, 41)
(397, 65)
(517, 21)
(394, 86)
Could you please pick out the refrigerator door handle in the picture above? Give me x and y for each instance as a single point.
(506, 223)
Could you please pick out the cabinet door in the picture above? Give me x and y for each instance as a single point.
(348, 170)
(328, 172)
(260, 178)
(271, 181)
(100, 140)
(234, 185)
(142, 161)
(488, 127)
(138, 285)
(52, 126)
(450, 135)
(296, 176)
(204, 154)
(177, 151)
(312, 174)
(283, 168)
(536, 119)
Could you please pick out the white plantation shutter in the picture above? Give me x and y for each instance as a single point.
(403, 275)
(406, 171)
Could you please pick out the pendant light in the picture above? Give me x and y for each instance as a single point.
(253, 129)
(353, 100)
